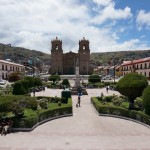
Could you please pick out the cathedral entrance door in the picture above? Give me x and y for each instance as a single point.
(71, 71)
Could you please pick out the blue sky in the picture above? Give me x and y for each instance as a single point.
(109, 25)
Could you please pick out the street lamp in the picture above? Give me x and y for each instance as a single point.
(114, 69)
(114, 73)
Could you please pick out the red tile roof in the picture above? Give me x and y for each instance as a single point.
(136, 61)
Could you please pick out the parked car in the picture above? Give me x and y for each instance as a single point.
(2, 84)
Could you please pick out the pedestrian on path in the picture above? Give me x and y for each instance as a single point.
(107, 88)
(79, 100)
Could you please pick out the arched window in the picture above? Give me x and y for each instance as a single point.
(56, 47)
(84, 47)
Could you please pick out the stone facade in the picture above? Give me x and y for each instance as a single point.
(64, 63)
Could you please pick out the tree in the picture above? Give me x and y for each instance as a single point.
(54, 78)
(18, 88)
(25, 84)
(30, 81)
(94, 78)
(37, 81)
(132, 86)
(15, 76)
(146, 99)
(65, 82)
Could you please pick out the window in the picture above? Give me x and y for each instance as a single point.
(2, 67)
(141, 66)
(145, 74)
(56, 47)
(145, 65)
(10, 68)
(84, 47)
(3, 76)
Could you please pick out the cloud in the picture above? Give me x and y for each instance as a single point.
(33, 24)
(110, 13)
(102, 2)
(143, 18)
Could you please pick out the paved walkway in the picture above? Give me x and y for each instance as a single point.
(85, 130)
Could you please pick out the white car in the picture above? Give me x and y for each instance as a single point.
(2, 83)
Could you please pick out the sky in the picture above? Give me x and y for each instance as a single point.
(109, 25)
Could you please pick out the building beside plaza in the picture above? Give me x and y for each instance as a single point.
(64, 63)
(140, 66)
(7, 67)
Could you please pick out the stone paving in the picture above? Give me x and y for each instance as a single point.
(85, 130)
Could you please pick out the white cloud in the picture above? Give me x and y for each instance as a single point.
(110, 13)
(33, 24)
(102, 2)
(143, 18)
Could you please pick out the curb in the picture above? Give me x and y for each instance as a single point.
(39, 123)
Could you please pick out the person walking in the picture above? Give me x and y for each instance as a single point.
(107, 88)
(79, 100)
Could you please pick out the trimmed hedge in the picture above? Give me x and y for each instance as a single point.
(29, 122)
(146, 100)
(94, 78)
(65, 95)
(119, 111)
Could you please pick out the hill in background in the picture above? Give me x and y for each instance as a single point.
(19, 54)
(107, 58)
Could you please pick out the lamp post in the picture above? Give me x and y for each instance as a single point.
(114, 72)
(33, 77)
(114, 69)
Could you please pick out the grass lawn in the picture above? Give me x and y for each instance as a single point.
(124, 104)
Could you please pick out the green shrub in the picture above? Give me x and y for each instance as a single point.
(54, 78)
(94, 78)
(132, 86)
(32, 103)
(66, 82)
(15, 76)
(43, 104)
(138, 102)
(18, 88)
(30, 81)
(124, 98)
(146, 100)
(37, 81)
(59, 104)
(108, 98)
(45, 97)
(25, 84)
(17, 109)
(117, 101)
(65, 95)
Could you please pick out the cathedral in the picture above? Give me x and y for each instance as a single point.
(64, 63)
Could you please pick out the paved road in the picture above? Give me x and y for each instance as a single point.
(84, 131)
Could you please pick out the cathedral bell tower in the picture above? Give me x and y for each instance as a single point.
(56, 56)
(84, 56)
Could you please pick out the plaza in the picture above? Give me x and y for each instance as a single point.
(85, 130)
